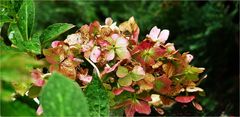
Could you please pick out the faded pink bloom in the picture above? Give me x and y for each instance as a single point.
(154, 33)
(73, 39)
(138, 70)
(95, 54)
(170, 47)
(109, 69)
(118, 91)
(110, 55)
(39, 110)
(157, 35)
(108, 21)
(85, 78)
(37, 79)
(163, 36)
(117, 45)
(189, 58)
(88, 46)
(55, 44)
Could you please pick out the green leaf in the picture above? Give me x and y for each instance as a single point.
(7, 92)
(34, 91)
(122, 71)
(98, 98)
(117, 112)
(26, 17)
(52, 31)
(16, 66)
(63, 97)
(34, 45)
(193, 77)
(16, 108)
(126, 81)
(5, 19)
(21, 87)
(15, 36)
(136, 77)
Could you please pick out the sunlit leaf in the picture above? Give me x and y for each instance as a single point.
(52, 31)
(26, 18)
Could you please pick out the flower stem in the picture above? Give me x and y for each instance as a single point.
(94, 66)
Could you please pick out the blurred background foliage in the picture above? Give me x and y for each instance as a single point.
(208, 30)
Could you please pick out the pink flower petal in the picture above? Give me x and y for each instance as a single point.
(39, 110)
(85, 79)
(123, 53)
(110, 55)
(143, 107)
(37, 79)
(88, 46)
(184, 99)
(55, 44)
(39, 82)
(197, 106)
(95, 54)
(154, 33)
(189, 58)
(138, 70)
(130, 89)
(117, 91)
(109, 69)
(108, 21)
(130, 110)
(163, 36)
(73, 39)
(115, 36)
(121, 42)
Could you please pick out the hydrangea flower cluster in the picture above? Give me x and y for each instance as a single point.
(138, 75)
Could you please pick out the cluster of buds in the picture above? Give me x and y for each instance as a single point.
(139, 75)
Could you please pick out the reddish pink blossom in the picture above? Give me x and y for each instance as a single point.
(37, 78)
(138, 106)
(118, 91)
(184, 99)
(55, 44)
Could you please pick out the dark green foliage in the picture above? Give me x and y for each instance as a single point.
(63, 97)
(98, 99)
(15, 109)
